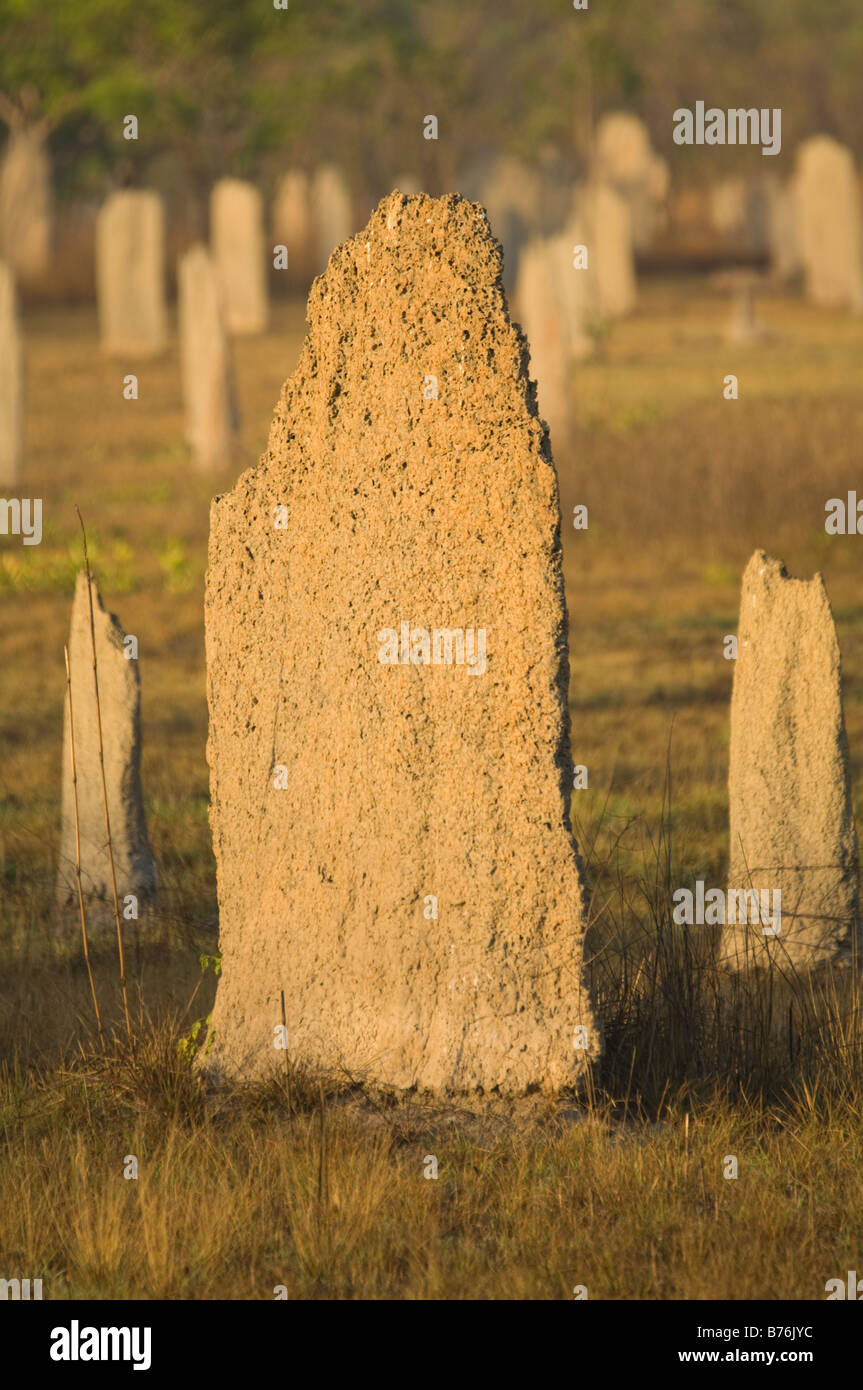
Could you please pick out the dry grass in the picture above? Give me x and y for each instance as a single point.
(619, 1190)
(227, 1204)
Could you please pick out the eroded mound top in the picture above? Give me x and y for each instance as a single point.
(768, 576)
(411, 309)
(413, 234)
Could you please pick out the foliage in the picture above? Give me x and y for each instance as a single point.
(189, 1046)
(238, 86)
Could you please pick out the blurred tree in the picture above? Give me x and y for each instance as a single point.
(239, 86)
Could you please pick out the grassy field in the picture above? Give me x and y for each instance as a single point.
(321, 1188)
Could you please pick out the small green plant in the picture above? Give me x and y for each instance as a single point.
(718, 575)
(177, 568)
(190, 1045)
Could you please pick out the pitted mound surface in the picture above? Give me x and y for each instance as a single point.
(347, 792)
(792, 824)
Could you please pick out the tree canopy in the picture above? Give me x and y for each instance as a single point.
(240, 86)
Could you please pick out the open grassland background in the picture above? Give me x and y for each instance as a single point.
(619, 1191)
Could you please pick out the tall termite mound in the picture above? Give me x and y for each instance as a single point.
(387, 681)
